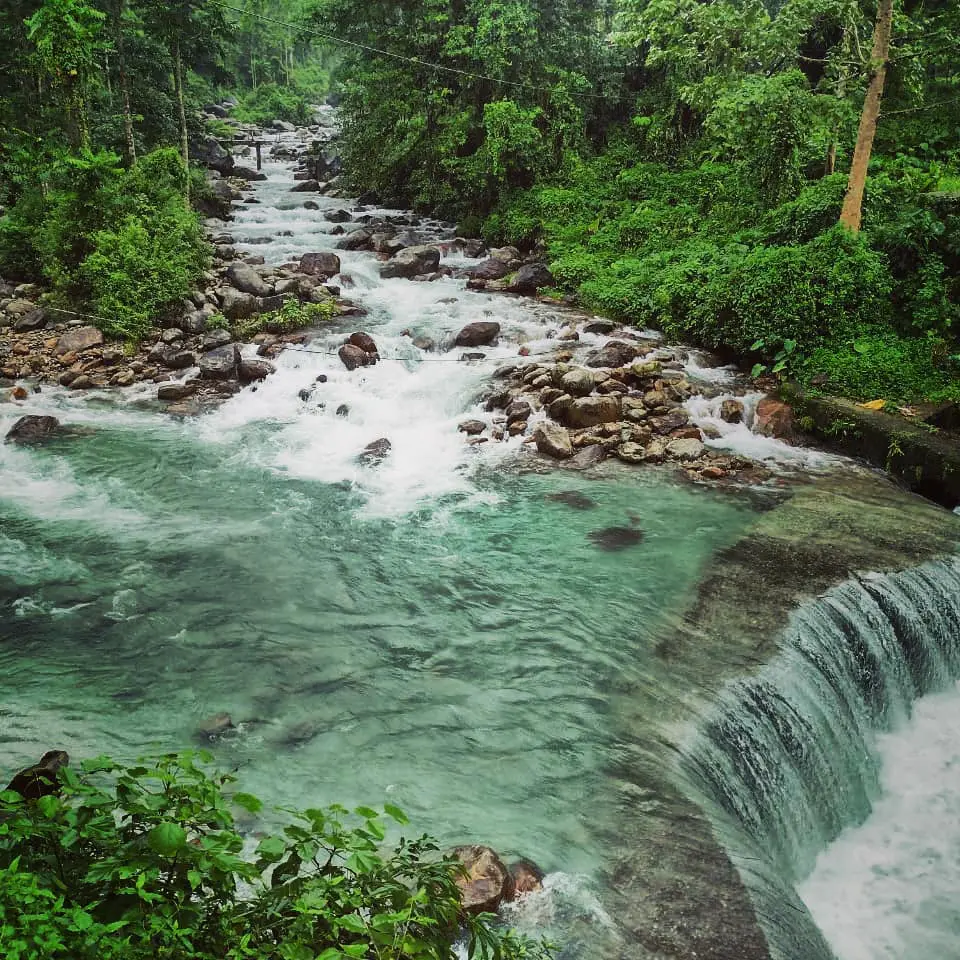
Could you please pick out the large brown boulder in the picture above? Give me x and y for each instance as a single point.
(353, 357)
(32, 429)
(593, 411)
(244, 278)
(531, 278)
(527, 878)
(412, 262)
(486, 881)
(617, 353)
(364, 341)
(553, 440)
(324, 265)
(774, 418)
(76, 341)
(491, 269)
(480, 334)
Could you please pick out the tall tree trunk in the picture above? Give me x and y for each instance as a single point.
(852, 214)
(182, 108)
(124, 83)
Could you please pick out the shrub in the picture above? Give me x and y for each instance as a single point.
(293, 315)
(270, 102)
(147, 861)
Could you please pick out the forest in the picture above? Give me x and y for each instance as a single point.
(682, 164)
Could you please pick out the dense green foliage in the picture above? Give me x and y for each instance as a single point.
(96, 94)
(149, 862)
(675, 158)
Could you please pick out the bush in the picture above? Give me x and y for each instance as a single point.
(271, 102)
(147, 862)
(293, 315)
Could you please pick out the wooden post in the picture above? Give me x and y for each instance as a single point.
(259, 158)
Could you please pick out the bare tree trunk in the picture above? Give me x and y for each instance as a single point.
(182, 109)
(852, 214)
(124, 85)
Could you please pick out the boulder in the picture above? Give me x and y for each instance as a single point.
(588, 457)
(593, 411)
(527, 878)
(506, 254)
(175, 392)
(353, 357)
(358, 240)
(32, 429)
(338, 216)
(412, 262)
(307, 186)
(253, 371)
(686, 449)
(375, 452)
(553, 441)
(480, 334)
(246, 173)
(774, 419)
(491, 269)
(179, 359)
(579, 382)
(472, 428)
(531, 278)
(364, 341)
(617, 353)
(518, 411)
(485, 882)
(214, 727)
(220, 363)
(76, 341)
(324, 265)
(732, 411)
(631, 453)
(311, 205)
(237, 305)
(244, 278)
(601, 327)
(216, 338)
(211, 154)
(36, 319)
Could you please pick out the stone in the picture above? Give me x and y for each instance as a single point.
(615, 539)
(216, 338)
(588, 457)
(42, 779)
(732, 411)
(774, 419)
(491, 269)
(685, 449)
(34, 320)
(194, 322)
(211, 154)
(252, 371)
(376, 452)
(76, 341)
(531, 278)
(175, 392)
(311, 205)
(180, 360)
(579, 382)
(480, 334)
(601, 328)
(631, 453)
(560, 407)
(307, 186)
(220, 363)
(215, 727)
(343, 410)
(506, 254)
(519, 410)
(365, 342)
(592, 411)
(427, 344)
(247, 173)
(245, 279)
(32, 429)
(553, 440)
(527, 878)
(518, 428)
(338, 216)
(353, 357)
(83, 382)
(324, 265)
(472, 428)
(125, 378)
(358, 240)
(411, 262)
(668, 423)
(485, 882)
(172, 336)
(237, 305)
(617, 353)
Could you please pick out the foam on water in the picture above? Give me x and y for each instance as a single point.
(887, 890)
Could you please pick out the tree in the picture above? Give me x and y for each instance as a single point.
(852, 213)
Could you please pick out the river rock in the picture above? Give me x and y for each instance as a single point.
(365, 342)
(579, 382)
(216, 338)
(518, 411)
(601, 327)
(506, 254)
(491, 269)
(480, 334)
(179, 359)
(553, 440)
(472, 428)
(338, 216)
(593, 411)
(175, 392)
(774, 419)
(412, 262)
(252, 371)
(40, 780)
(211, 154)
(32, 429)
(311, 205)
(376, 452)
(237, 305)
(220, 363)
(245, 279)
(531, 278)
(215, 727)
(486, 882)
(631, 453)
(427, 344)
(307, 186)
(587, 457)
(732, 411)
(686, 449)
(324, 265)
(353, 357)
(358, 240)
(247, 173)
(615, 539)
(76, 341)
(527, 878)
(617, 353)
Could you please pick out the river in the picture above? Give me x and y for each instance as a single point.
(440, 632)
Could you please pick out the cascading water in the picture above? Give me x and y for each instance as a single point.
(789, 757)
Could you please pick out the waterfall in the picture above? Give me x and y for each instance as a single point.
(786, 760)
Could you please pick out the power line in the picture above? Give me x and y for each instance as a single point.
(416, 61)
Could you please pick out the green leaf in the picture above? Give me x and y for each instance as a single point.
(789, 346)
(366, 813)
(395, 813)
(167, 839)
(780, 367)
(758, 369)
(331, 953)
(354, 923)
(195, 879)
(248, 801)
(272, 848)
(861, 346)
(758, 345)
(361, 862)
(356, 950)
(48, 806)
(82, 920)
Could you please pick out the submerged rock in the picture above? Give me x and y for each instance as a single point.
(376, 452)
(486, 883)
(214, 727)
(573, 499)
(614, 539)
(32, 429)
